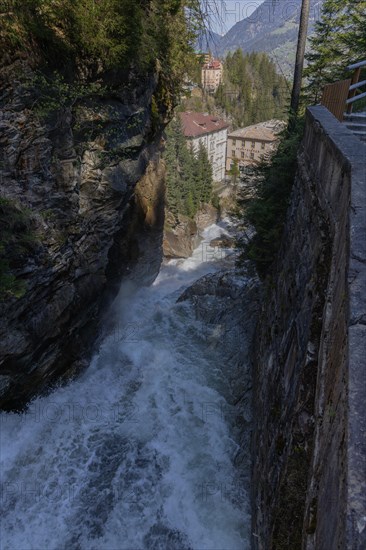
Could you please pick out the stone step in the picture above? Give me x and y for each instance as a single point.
(356, 122)
(360, 135)
(359, 118)
(356, 126)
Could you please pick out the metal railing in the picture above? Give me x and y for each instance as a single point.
(340, 96)
(356, 84)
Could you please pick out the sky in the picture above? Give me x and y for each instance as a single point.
(225, 13)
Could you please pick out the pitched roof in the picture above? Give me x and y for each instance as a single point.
(197, 124)
(266, 131)
(214, 64)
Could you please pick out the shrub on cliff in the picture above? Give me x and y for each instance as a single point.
(97, 36)
(17, 239)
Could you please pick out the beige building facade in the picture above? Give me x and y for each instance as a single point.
(249, 146)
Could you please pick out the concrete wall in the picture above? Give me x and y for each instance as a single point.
(310, 378)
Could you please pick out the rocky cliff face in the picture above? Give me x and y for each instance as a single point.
(309, 392)
(183, 235)
(227, 305)
(71, 174)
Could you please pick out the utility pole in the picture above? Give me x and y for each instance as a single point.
(300, 55)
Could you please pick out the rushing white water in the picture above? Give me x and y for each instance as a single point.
(136, 453)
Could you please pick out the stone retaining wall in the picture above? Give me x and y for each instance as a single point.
(310, 378)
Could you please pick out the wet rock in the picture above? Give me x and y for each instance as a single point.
(206, 216)
(5, 383)
(78, 187)
(161, 537)
(222, 242)
(227, 305)
(180, 236)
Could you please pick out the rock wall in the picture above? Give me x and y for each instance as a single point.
(309, 442)
(73, 171)
(182, 235)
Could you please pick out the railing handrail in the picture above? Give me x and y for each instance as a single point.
(356, 65)
(355, 98)
(354, 89)
(344, 93)
(357, 85)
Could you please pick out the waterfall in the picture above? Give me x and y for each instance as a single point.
(138, 452)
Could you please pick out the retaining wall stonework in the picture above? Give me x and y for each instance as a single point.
(309, 441)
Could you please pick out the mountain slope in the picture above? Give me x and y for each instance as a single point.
(271, 28)
(208, 41)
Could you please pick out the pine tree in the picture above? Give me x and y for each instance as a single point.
(204, 172)
(171, 156)
(188, 175)
(339, 40)
(325, 61)
(354, 34)
(189, 207)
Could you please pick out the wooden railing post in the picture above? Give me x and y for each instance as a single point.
(335, 96)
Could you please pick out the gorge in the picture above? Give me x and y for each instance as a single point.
(131, 415)
(177, 403)
(149, 448)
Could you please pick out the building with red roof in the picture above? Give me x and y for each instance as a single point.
(211, 75)
(211, 132)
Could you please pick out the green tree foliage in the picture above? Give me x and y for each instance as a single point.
(252, 90)
(203, 176)
(189, 175)
(234, 171)
(338, 41)
(77, 49)
(104, 34)
(266, 211)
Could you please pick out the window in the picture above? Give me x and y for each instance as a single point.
(253, 144)
(252, 155)
(242, 144)
(233, 153)
(234, 142)
(263, 145)
(242, 154)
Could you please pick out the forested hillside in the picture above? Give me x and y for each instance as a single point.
(252, 90)
(271, 28)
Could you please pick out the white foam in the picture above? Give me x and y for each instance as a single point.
(139, 440)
